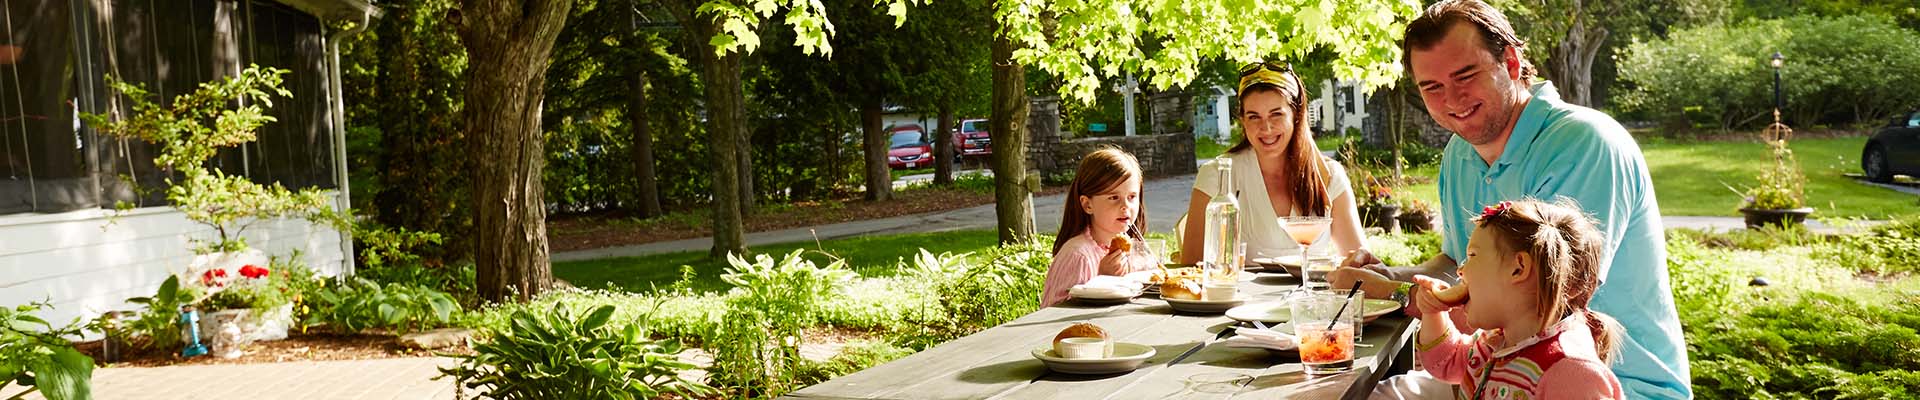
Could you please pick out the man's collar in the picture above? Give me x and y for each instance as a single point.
(1532, 120)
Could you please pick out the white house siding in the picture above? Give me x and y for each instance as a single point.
(86, 262)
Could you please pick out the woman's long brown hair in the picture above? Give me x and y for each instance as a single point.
(1099, 172)
(1304, 163)
(1568, 249)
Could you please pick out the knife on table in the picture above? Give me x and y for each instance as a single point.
(1224, 333)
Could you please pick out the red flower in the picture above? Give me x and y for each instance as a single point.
(253, 272)
(211, 277)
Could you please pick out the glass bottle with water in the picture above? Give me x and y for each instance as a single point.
(1223, 221)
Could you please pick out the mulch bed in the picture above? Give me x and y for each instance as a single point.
(619, 228)
(312, 346)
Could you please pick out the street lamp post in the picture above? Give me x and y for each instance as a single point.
(1778, 61)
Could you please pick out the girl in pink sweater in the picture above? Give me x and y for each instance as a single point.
(1103, 203)
(1531, 268)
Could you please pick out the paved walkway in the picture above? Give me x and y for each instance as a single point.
(383, 379)
(1166, 201)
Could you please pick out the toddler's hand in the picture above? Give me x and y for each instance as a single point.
(1421, 298)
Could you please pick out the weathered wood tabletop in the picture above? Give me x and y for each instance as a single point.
(997, 363)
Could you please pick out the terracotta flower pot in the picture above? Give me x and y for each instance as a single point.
(1381, 216)
(1757, 218)
(1416, 222)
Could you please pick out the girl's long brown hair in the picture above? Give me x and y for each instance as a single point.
(1568, 249)
(1303, 163)
(1099, 172)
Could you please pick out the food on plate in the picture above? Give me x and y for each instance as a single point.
(1082, 329)
(1453, 296)
(1121, 243)
(1167, 274)
(1182, 289)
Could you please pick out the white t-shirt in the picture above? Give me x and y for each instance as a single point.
(1259, 225)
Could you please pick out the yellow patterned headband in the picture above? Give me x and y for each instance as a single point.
(1270, 72)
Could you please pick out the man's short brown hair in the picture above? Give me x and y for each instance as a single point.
(1496, 34)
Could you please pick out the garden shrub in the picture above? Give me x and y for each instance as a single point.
(562, 355)
(973, 296)
(360, 304)
(1766, 238)
(1839, 70)
(1887, 249)
(1404, 249)
(1817, 345)
(756, 346)
(40, 358)
(856, 356)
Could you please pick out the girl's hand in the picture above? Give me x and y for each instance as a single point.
(1421, 300)
(1116, 263)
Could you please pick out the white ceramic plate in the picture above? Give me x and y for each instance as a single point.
(1204, 306)
(1273, 312)
(1104, 300)
(1126, 357)
(1378, 307)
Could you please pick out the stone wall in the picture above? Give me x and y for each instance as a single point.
(1159, 155)
(1165, 154)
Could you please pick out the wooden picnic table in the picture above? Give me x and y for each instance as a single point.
(997, 363)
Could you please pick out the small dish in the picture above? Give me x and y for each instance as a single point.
(1271, 312)
(1126, 357)
(1204, 306)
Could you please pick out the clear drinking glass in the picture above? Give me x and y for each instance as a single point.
(1326, 331)
(1157, 249)
(1318, 258)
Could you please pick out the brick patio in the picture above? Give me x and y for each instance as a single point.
(393, 378)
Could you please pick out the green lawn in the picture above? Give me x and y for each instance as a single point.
(871, 256)
(1691, 178)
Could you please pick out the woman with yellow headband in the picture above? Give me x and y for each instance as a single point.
(1276, 170)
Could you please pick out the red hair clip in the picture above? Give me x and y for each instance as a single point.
(1495, 209)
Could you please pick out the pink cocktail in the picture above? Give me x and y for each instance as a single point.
(1306, 230)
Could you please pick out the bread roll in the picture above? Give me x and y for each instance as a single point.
(1181, 289)
(1082, 329)
(1453, 296)
(1120, 243)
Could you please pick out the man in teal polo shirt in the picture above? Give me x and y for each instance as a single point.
(1515, 139)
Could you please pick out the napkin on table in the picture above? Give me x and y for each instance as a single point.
(1106, 286)
(1261, 339)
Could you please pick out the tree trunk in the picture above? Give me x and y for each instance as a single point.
(744, 153)
(1572, 61)
(831, 162)
(642, 150)
(509, 44)
(1013, 199)
(726, 124)
(944, 153)
(879, 181)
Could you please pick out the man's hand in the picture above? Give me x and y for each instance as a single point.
(1376, 285)
(1361, 258)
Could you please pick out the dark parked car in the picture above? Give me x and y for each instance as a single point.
(908, 147)
(971, 140)
(1895, 150)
